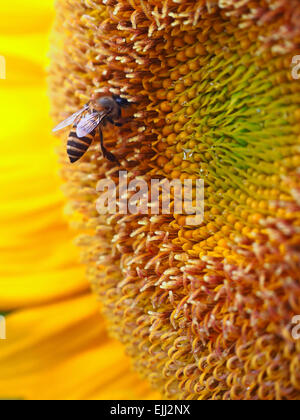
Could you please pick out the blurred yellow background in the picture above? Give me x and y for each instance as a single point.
(32, 230)
(56, 344)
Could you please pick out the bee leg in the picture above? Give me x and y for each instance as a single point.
(108, 155)
(117, 124)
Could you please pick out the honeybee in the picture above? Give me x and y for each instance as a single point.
(95, 114)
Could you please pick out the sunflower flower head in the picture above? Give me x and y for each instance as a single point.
(206, 311)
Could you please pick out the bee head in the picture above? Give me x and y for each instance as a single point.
(123, 103)
(105, 102)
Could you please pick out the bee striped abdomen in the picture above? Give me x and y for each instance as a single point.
(77, 147)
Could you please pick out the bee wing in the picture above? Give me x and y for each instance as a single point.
(70, 120)
(88, 124)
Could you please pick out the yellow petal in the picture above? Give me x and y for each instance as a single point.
(34, 16)
(38, 261)
(61, 350)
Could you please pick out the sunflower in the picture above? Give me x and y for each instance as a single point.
(205, 312)
(57, 346)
